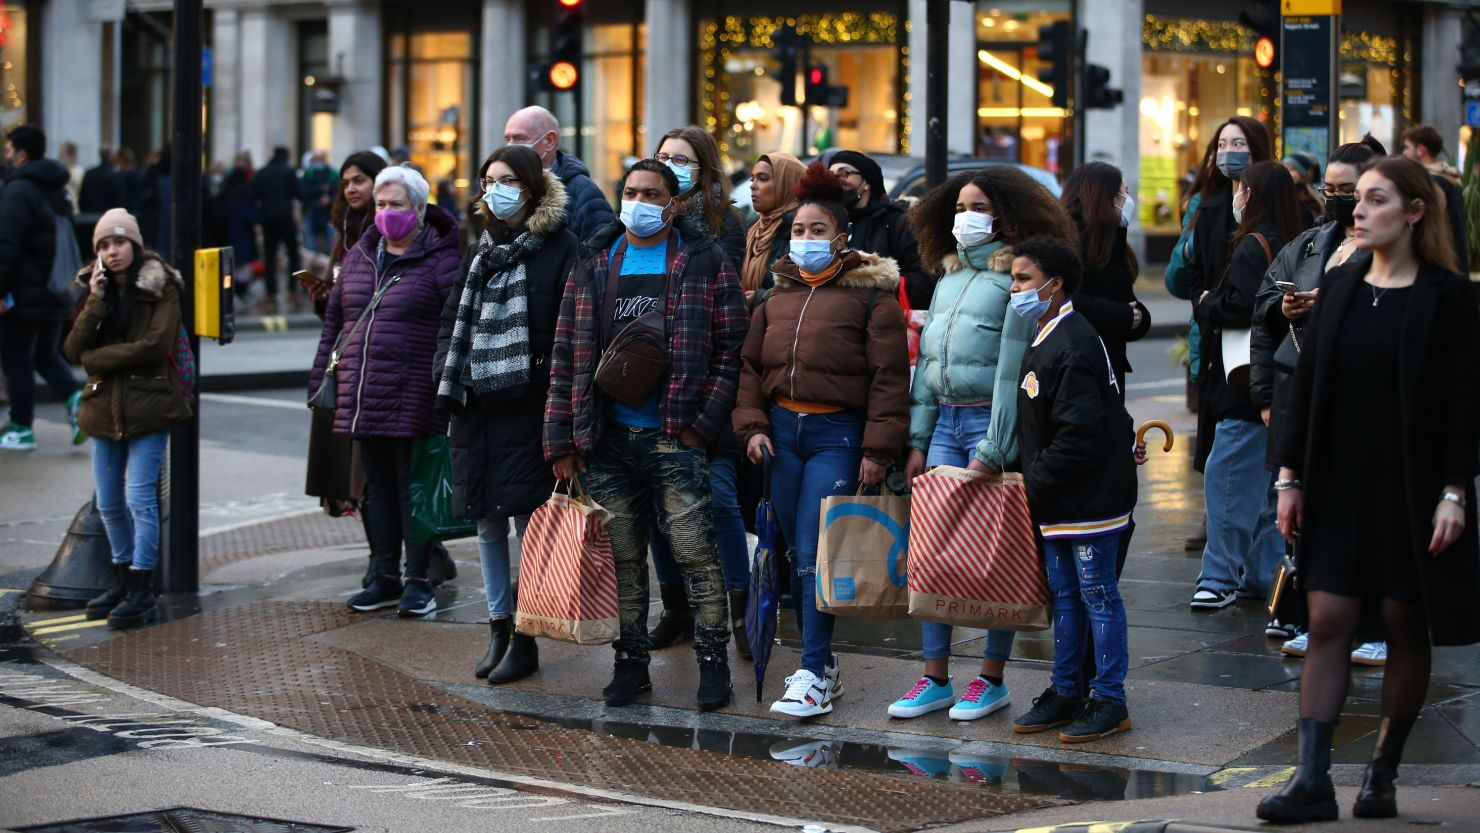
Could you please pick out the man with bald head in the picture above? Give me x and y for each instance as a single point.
(587, 210)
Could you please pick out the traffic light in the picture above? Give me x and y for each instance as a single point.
(1056, 48)
(1262, 17)
(566, 46)
(787, 49)
(816, 84)
(1097, 91)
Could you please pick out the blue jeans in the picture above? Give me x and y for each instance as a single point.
(126, 474)
(1244, 545)
(729, 531)
(493, 557)
(958, 429)
(1081, 577)
(817, 456)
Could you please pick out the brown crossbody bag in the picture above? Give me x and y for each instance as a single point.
(634, 363)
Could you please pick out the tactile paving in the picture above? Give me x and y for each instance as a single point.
(255, 659)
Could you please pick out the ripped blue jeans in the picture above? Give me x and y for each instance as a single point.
(1081, 577)
(817, 456)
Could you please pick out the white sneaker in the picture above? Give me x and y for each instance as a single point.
(1296, 647)
(806, 695)
(810, 755)
(1370, 654)
(834, 676)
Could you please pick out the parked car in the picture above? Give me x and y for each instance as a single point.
(910, 186)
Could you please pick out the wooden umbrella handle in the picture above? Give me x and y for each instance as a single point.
(1155, 423)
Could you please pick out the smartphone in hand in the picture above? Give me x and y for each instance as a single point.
(1287, 287)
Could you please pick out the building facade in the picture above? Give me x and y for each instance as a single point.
(439, 79)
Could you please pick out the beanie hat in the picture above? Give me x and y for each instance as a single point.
(117, 222)
(872, 173)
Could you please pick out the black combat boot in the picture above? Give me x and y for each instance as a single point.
(676, 624)
(102, 604)
(521, 660)
(137, 607)
(1378, 798)
(1308, 795)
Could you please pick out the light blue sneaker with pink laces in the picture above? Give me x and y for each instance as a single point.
(980, 699)
(927, 696)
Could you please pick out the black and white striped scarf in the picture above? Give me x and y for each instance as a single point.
(489, 350)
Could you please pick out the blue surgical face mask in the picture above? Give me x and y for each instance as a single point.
(812, 255)
(1233, 163)
(641, 218)
(685, 177)
(1028, 305)
(503, 200)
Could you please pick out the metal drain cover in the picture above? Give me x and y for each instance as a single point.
(179, 819)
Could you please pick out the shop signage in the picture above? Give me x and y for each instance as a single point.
(1308, 112)
(1472, 113)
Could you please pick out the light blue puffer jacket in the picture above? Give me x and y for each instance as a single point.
(970, 333)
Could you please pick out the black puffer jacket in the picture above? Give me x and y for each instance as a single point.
(883, 228)
(34, 194)
(498, 464)
(1107, 299)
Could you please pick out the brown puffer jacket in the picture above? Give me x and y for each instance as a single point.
(824, 346)
(131, 388)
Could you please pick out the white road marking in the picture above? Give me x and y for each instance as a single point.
(1157, 385)
(259, 401)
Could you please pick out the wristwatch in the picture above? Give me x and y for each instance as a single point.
(1453, 497)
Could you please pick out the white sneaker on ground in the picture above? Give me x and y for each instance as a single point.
(1370, 654)
(1296, 647)
(834, 675)
(1212, 599)
(807, 695)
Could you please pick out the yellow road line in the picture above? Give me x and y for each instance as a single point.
(42, 623)
(1274, 779)
(4, 590)
(54, 640)
(75, 626)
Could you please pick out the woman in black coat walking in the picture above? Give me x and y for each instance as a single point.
(1377, 477)
(493, 369)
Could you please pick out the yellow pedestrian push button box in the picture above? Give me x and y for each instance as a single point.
(215, 315)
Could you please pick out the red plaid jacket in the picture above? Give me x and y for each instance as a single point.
(706, 327)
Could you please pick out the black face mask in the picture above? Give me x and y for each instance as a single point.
(850, 199)
(1341, 209)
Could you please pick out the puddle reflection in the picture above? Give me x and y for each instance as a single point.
(1077, 782)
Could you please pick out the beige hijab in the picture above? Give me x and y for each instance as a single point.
(786, 171)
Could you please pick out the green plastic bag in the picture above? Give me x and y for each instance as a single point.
(432, 514)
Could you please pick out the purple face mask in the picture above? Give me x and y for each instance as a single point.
(395, 224)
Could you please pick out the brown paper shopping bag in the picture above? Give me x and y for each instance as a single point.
(861, 556)
(567, 576)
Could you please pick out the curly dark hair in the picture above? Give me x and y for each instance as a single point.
(1055, 258)
(821, 187)
(1022, 208)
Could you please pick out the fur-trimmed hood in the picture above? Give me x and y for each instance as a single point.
(154, 273)
(548, 217)
(999, 260)
(861, 270)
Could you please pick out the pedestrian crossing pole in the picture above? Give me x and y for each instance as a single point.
(179, 564)
(937, 85)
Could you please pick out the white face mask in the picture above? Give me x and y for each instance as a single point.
(1238, 207)
(973, 228)
(1127, 211)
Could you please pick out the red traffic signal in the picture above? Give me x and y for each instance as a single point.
(564, 75)
(570, 4)
(815, 76)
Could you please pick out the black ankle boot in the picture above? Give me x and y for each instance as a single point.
(714, 684)
(676, 624)
(738, 599)
(501, 629)
(101, 605)
(1308, 795)
(521, 660)
(137, 607)
(440, 566)
(1378, 798)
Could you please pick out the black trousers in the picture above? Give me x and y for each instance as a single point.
(277, 233)
(28, 347)
(387, 465)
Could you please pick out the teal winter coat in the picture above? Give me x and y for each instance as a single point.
(970, 333)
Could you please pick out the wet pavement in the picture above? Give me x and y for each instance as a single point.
(269, 639)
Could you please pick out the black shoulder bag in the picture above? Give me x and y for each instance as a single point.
(325, 398)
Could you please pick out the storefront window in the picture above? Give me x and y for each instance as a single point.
(429, 84)
(1194, 75)
(13, 110)
(741, 101)
(315, 130)
(1371, 88)
(1016, 119)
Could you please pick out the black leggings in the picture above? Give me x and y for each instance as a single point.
(387, 511)
(1333, 622)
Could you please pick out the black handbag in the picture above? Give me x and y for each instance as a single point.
(325, 398)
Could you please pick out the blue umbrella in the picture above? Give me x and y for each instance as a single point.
(764, 602)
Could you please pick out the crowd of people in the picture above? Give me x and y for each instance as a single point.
(1336, 340)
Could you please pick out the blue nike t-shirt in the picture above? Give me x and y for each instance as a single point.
(644, 276)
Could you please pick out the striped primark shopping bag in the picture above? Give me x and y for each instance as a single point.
(567, 576)
(973, 553)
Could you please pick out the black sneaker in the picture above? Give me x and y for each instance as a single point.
(418, 598)
(1050, 710)
(714, 685)
(1279, 630)
(1100, 719)
(1212, 599)
(629, 679)
(381, 592)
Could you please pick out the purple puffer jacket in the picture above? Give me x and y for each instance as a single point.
(385, 378)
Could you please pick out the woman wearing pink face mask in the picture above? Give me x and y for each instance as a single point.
(382, 320)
